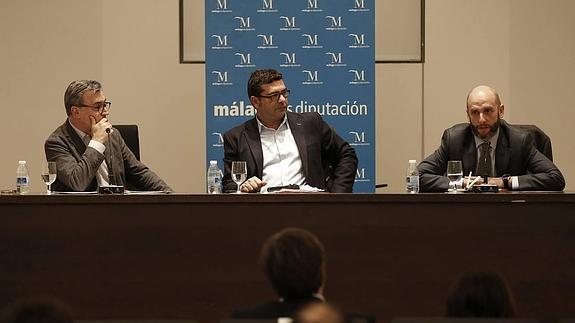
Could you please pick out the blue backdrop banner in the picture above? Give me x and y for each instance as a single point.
(325, 50)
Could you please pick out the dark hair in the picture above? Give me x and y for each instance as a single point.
(261, 77)
(480, 294)
(37, 310)
(75, 92)
(293, 260)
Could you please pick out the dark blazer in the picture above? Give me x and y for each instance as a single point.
(515, 155)
(329, 162)
(275, 309)
(77, 164)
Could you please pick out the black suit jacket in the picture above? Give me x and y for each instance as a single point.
(515, 155)
(273, 310)
(329, 162)
(77, 164)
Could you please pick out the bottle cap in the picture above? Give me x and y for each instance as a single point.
(22, 162)
(412, 161)
(213, 162)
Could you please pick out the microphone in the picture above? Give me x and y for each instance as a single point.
(110, 166)
(112, 188)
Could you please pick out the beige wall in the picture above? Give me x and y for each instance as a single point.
(43, 46)
(525, 48)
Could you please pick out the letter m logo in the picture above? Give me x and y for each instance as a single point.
(244, 22)
(335, 57)
(312, 4)
(245, 58)
(311, 75)
(289, 22)
(335, 21)
(289, 58)
(358, 39)
(267, 40)
(311, 39)
(221, 41)
(219, 137)
(359, 4)
(268, 4)
(222, 4)
(358, 75)
(358, 137)
(221, 77)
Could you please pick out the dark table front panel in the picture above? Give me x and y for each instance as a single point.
(195, 256)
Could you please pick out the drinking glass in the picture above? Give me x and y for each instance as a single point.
(454, 173)
(239, 173)
(49, 172)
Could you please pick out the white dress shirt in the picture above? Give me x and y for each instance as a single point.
(282, 163)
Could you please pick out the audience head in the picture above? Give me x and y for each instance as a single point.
(484, 110)
(318, 312)
(37, 310)
(480, 294)
(294, 261)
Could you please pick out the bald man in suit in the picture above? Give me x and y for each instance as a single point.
(490, 147)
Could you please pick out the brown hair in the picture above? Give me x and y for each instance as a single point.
(293, 260)
(480, 294)
(261, 77)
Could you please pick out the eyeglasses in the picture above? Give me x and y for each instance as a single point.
(276, 96)
(106, 105)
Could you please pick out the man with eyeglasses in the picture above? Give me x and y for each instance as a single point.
(283, 148)
(89, 152)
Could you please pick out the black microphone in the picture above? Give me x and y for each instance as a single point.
(110, 166)
(112, 188)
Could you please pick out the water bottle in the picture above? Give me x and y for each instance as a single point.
(412, 177)
(214, 178)
(22, 178)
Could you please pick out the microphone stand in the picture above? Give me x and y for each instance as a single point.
(110, 165)
(111, 189)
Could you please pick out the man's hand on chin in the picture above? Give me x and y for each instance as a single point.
(99, 129)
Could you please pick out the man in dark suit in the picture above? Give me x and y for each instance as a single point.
(490, 147)
(294, 262)
(85, 158)
(282, 148)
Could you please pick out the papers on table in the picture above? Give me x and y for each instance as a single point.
(125, 193)
(302, 189)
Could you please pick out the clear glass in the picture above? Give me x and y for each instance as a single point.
(239, 173)
(455, 174)
(49, 172)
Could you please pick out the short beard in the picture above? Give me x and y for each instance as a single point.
(492, 129)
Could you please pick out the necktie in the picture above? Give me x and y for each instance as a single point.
(102, 173)
(485, 165)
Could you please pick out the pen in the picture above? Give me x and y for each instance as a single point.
(469, 185)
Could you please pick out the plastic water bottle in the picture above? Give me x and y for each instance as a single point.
(214, 178)
(22, 178)
(412, 177)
